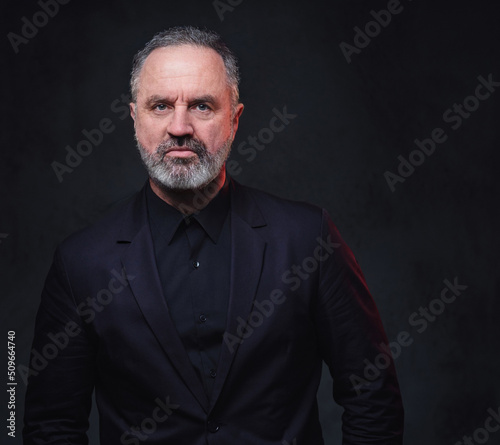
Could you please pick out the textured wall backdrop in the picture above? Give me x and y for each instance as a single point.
(395, 123)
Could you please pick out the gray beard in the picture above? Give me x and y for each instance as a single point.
(180, 174)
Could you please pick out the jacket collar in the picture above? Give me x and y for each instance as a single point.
(242, 203)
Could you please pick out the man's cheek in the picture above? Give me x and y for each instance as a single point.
(216, 138)
(148, 138)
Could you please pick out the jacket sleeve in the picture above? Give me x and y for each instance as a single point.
(354, 346)
(61, 370)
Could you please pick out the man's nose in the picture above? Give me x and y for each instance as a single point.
(180, 123)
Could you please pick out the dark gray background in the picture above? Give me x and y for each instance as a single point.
(353, 121)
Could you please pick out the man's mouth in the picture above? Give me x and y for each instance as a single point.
(179, 152)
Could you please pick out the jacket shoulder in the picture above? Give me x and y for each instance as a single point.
(290, 214)
(106, 230)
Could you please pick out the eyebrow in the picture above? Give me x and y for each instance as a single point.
(207, 98)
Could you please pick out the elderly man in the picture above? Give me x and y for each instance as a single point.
(201, 311)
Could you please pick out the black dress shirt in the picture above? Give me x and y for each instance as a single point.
(193, 256)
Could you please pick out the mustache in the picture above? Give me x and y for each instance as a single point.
(195, 145)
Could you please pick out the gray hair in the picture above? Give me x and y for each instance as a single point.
(188, 35)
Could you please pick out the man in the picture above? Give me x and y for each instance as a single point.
(201, 311)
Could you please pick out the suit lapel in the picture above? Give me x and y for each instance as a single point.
(247, 258)
(139, 261)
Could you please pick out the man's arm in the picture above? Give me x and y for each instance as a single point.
(59, 394)
(350, 333)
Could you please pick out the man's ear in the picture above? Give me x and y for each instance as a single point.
(236, 117)
(132, 110)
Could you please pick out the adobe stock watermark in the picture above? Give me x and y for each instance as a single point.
(91, 138)
(482, 434)
(255, 144)
(455, 116)
(420, 320)
(30, 28)
(3, 236)
(136, 434)
(293, 277)
(362, 38)
(87, 310)
(221, 7)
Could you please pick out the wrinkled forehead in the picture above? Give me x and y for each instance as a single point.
(183, 68)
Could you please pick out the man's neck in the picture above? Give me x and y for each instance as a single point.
(190, 201)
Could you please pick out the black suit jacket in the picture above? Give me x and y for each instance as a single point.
(297, 297)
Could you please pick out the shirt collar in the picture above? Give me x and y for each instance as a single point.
(167, 219)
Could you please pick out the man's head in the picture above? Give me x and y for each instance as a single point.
(185, 107)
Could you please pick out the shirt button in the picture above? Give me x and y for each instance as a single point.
(213, 373)
(196, 264)
(213, 427)
(203, 318)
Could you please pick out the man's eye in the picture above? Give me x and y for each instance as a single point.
(161, 107)
(202, 107)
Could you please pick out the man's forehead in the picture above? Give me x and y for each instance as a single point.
(183, 66)
(184, 59)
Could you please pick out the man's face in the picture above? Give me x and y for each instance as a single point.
(184, 117)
